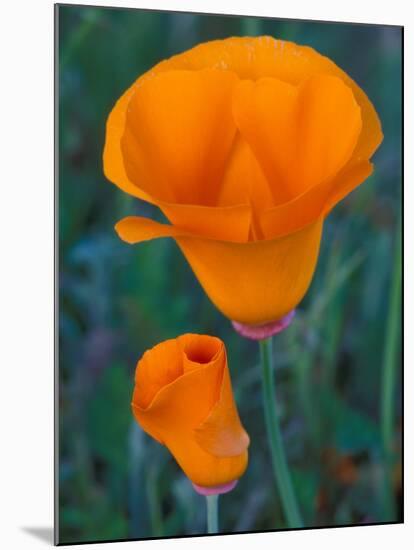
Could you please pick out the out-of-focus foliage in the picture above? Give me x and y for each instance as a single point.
(116, 300)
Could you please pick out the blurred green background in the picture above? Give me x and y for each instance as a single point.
(338, 366)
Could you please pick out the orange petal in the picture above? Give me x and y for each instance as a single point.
(300, 135)
(230, 224)
(157, 368)
(171, 403)
(113, 162)
(134, 229)
(255, 282)
(252, 283)
(264, 56)
(178, 133)
(245, 182)
(198, 350)
(320, 199)
(202, 467)
(174, 143)
(222, 434)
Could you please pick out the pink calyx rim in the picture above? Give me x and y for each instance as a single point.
(217, 490)
(260, 332)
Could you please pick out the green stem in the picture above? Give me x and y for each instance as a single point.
(304, 367)
(279, 463)
(212, 514)
(389, 378)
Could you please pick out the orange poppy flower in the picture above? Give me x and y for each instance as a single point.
(183, 398)
(245, 144)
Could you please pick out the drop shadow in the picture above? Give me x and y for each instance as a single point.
(42, 533)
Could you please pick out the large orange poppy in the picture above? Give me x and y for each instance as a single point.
(183, 398)
(245, 144)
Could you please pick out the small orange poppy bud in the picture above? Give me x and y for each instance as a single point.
(246, 145)
(183, 398)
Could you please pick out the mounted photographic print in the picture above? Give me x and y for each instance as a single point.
(229, 286)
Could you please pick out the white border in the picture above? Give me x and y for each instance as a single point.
(26, 256)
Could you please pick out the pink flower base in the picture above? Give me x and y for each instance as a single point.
(260, 332)
(217, 490)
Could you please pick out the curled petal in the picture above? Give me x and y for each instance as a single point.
(178, 133)
(300, 135)
(113, 162)
(222, 434)
(149, 380)
(231, 224)
(319, 200)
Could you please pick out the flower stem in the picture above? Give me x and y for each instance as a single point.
(274, 435)
(389, 375)
(212, 514)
